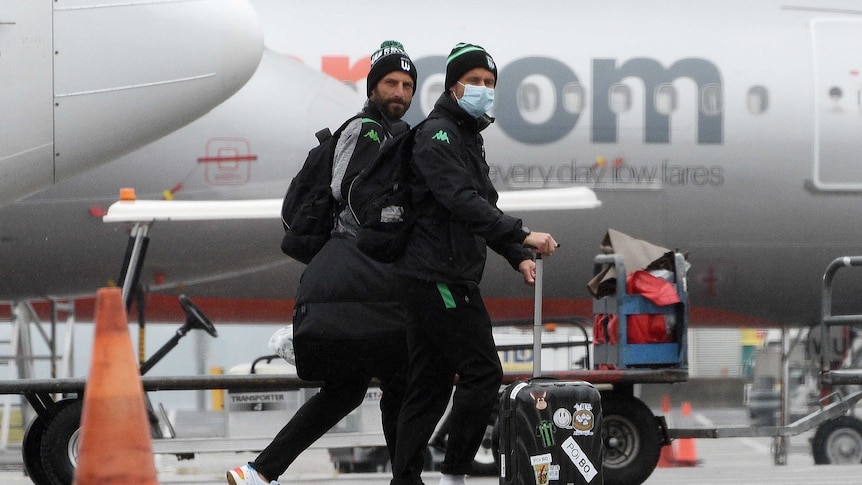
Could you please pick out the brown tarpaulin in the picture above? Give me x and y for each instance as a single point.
(637, 254)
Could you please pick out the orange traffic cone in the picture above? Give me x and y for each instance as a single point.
(666, 458)
(685, 453)
(115, 442)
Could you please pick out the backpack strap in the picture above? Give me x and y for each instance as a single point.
(323, 135)
(343, 125)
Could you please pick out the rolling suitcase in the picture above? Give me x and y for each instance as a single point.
(550, 430)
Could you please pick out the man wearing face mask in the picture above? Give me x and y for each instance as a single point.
(449, 329)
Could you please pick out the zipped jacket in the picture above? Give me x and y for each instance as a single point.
(456, 204)
(359, 142)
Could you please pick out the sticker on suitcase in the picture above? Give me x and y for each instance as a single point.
(579, 459)
(544, 469)
(582, 421)
(545, 431)
(540, 398)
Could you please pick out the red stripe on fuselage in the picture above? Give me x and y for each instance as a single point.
(162, 308)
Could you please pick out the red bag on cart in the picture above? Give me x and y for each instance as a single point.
(642, 328)
(653, 288)
(650, 328)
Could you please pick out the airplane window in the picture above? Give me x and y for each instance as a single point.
(835, 95)
(620, 98)
(528, 97)
(537, 99)
(758, 100)
(711, 101)
(430, 92)
(665, 99)
(574, 98)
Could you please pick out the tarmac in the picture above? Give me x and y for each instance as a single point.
(719, 462)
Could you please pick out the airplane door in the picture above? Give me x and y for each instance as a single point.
(26, 97)
(837, 154)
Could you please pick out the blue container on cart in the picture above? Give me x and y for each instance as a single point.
(623, 354)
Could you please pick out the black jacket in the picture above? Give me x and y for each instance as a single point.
(346, 311)
(375, 129)
(457, 204)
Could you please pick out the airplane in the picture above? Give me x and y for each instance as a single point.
(724, 130)
(90, 81)
(743, 161)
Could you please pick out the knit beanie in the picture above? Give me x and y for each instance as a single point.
(465, 57)
(389, 57)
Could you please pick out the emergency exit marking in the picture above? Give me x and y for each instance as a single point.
(228, 161)
(228, 158)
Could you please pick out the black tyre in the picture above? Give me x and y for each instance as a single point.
(838, 442)
(60, 444)
(31, 452)
(632, 440)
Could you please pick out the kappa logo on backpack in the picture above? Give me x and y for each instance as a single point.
(309, 209)
(381, 200)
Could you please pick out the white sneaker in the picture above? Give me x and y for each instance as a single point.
(452, 479)
(246, 475)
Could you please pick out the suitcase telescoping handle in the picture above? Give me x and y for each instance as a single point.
(537, 319)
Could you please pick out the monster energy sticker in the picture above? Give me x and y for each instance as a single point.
(545, 431)
(579, 458)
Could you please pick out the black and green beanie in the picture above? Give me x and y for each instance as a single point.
(465, 57)
(389, 57)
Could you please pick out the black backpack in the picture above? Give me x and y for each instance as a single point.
(381, 200)
(309, 209)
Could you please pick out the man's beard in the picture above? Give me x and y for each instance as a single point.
(393, 110)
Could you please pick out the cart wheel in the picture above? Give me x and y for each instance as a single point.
(60, 444)
(31, 452)
(632, 440)
(838, 442)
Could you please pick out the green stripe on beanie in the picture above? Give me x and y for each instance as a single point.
(462, 48)
(389, 57)
(465, 57)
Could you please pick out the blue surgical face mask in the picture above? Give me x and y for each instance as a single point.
(477, 100)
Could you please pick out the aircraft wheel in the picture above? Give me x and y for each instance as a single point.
(31, 452)
(838, 442)
(60, 444)
(632, 440)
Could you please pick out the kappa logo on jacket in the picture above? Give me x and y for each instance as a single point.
(372, 135)
(441, 136)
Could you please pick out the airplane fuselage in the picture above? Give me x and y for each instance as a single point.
(82, 83)
(727, 131)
